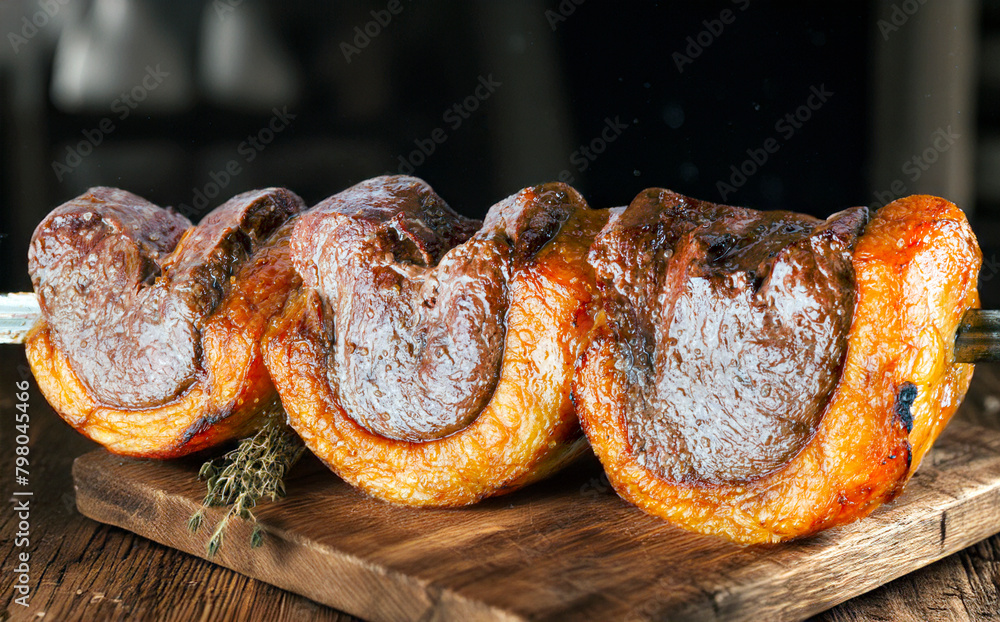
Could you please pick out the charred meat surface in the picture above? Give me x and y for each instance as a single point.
(489, 320)
(732, 325)
(230, 398)
(125, 286)
(915, 268)
(417, 297)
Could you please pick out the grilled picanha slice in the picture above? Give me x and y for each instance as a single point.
(429, 358)
(150, 335)
(765, 375)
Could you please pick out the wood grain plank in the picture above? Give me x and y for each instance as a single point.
(960, 588)
(83, 570)
(565, 549)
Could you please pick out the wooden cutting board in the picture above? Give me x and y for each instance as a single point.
(566, 549)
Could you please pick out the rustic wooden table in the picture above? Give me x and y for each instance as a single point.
(83, 570)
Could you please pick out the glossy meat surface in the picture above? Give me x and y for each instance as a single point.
(417, 322)
(125, 285)
(915, 269)
(527, 427)
(733, 326)
(174, 365)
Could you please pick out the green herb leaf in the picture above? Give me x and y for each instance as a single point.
(254, 470)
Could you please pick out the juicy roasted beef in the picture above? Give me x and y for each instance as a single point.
(429, 358)
(765, 375)
(144, 313)
(733, 326)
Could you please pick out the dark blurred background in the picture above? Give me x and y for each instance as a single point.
(810, 107)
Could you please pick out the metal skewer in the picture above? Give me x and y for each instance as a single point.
(977, 339)
(18, 313)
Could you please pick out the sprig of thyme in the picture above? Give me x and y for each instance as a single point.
(254, 470)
